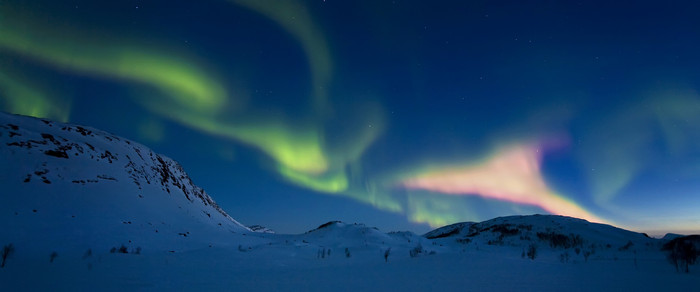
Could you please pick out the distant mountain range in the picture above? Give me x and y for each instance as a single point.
(78, 196)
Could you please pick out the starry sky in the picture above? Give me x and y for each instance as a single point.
(405, 115)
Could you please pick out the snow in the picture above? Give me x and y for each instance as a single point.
(295, 268)
(107, 191)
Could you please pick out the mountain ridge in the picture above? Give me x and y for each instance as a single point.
(75, 178)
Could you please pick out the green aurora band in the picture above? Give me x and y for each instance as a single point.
(295, 18)
(24, 98)
(180, 81)
(618, 148)
(190, 96)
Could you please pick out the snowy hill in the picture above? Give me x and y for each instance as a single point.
(358, 237)
(560, 231)
(71, 187)
(565, 238)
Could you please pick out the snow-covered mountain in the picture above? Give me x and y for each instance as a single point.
(82, 209)
(565, 238)
(67, 186)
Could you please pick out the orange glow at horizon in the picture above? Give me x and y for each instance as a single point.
(512, 174)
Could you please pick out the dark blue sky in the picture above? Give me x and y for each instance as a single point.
(398, 114)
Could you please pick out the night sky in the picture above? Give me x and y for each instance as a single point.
(404, 115)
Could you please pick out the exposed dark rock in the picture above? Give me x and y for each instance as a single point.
(56, 153)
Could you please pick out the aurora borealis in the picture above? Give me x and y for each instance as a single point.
(511, 175)
(399, 114)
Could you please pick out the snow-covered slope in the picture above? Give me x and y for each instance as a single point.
(67, 186)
